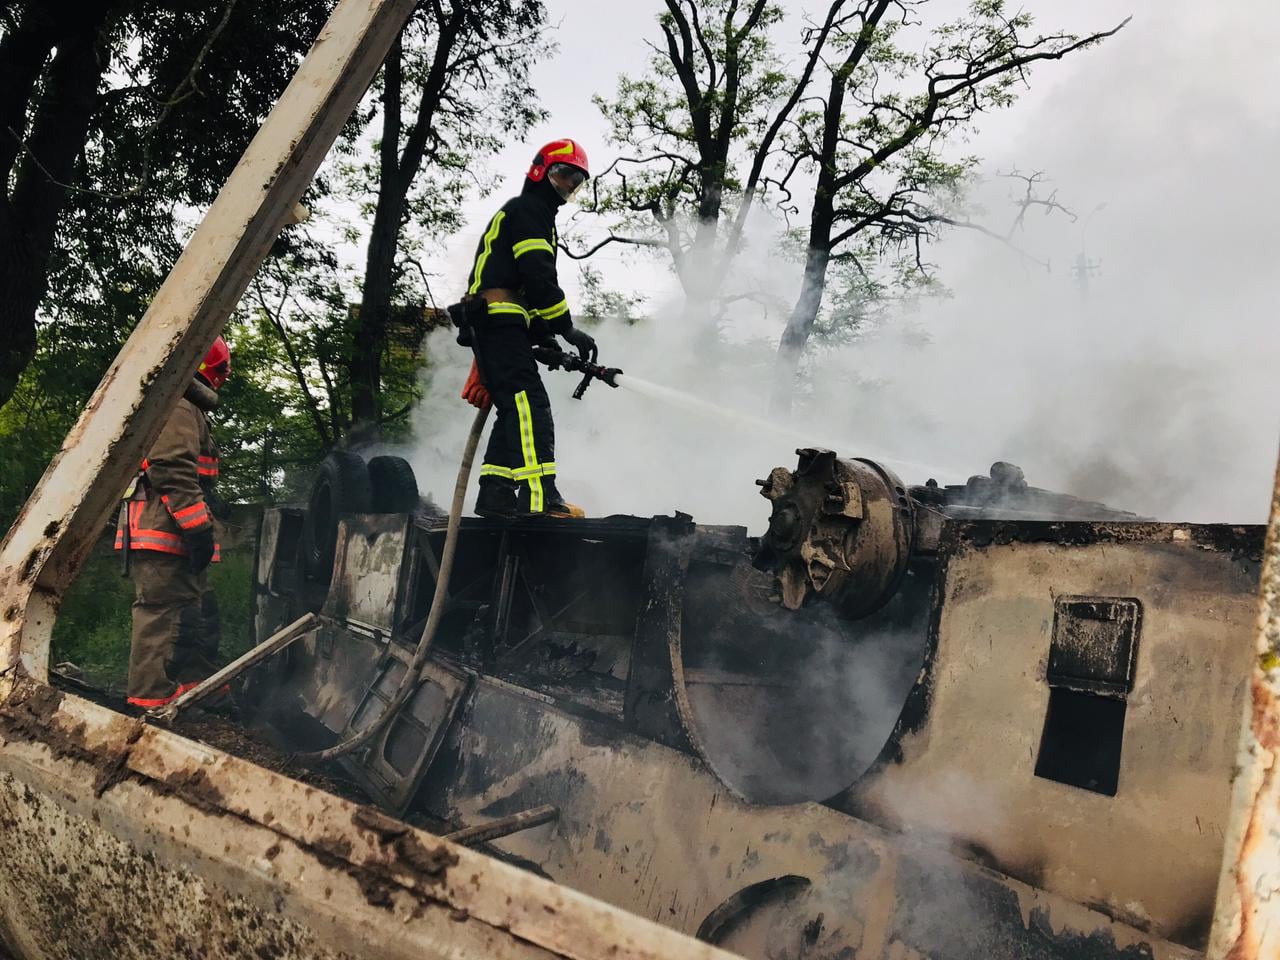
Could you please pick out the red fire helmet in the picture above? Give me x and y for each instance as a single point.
(558, 151)
(216, 365)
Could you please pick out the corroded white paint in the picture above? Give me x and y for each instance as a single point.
(1246, 923)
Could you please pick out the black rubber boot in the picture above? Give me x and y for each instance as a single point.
(496, 500)
(553, 504)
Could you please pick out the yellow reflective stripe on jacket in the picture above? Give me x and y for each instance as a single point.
(490, 236)
(553, 311)
(530, 451)
(528, 246)
(493, 470)
(506, 306)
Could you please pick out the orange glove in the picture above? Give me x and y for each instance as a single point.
(473, 391)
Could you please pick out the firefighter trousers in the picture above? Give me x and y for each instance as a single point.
(521, 447)
(176, 629)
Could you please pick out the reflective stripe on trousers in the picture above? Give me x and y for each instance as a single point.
(532, 470)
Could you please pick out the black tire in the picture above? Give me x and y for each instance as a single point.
(341, 487)
(394, 487)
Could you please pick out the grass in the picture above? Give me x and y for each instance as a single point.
(93, 626)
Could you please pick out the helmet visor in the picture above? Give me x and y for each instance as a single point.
(567, 179)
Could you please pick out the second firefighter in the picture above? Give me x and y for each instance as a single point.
(515, 273)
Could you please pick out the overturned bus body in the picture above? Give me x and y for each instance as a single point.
(984, 721)
(948, 722)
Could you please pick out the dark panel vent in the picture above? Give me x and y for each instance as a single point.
(1090, 673)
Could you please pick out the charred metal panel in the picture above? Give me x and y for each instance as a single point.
(368, 569)
(310, 694)
(1092, 656)
(963, 773)
(651, 708)
(537, 598)
(280, 591)
(278, 550)
(787, 706)
(1094, 645)
(652, 830)
(393, 766)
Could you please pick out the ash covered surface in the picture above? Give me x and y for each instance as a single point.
(231, 736)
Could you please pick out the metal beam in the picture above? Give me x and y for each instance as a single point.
(209, 685)
(1246, 922)
(45, 549)
(172, 843)
(504, 826)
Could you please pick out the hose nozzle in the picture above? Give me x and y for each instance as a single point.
(558, 359)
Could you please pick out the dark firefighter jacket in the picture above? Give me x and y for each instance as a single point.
(170, 495)
(518, 253)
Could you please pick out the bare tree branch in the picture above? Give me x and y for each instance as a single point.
(635, 241)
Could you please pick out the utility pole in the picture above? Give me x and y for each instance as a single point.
(1081, 270)
(1084, 268)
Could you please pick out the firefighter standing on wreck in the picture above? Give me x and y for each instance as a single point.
(166, 532)
(516, 304)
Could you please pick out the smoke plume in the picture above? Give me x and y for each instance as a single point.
(1152, 390)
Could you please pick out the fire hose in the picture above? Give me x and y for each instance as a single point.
(554, 359)
(409, 682)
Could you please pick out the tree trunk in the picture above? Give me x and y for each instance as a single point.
(396, 173)
(44, 165)
(266, 495)
(822, 220)
(370, 336)
(370, 339)
(698, 277)
(799, 326)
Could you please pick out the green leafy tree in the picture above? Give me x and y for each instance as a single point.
(856, 139)
(701, 128)
(455, 87)
(116, 115)
(345, 345)
(877, 148)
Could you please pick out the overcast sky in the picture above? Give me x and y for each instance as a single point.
(599, 42)
(1157, 393)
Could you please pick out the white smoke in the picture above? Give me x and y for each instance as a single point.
(1155, 393)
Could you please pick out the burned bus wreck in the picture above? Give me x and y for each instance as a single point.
(953, 722)
(1025, 751)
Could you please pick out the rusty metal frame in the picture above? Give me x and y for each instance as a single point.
(1246, 923)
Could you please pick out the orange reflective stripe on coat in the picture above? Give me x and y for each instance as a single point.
(188, 518)
(169, 502)
(161, 541)
(206, 466)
